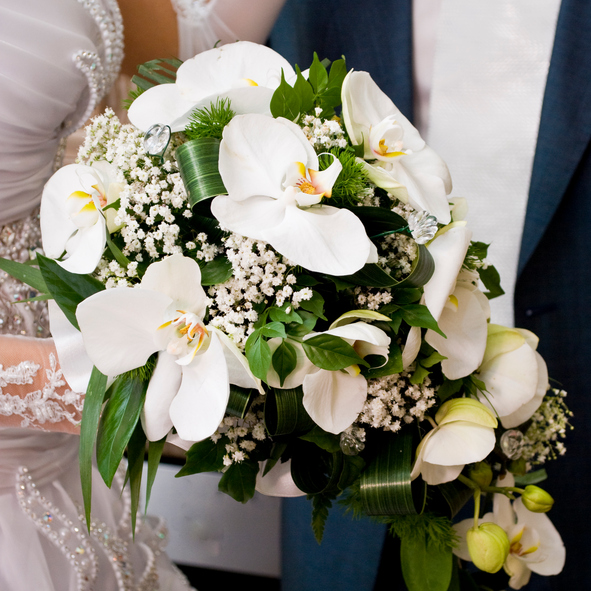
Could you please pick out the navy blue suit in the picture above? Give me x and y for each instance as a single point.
(553, 292)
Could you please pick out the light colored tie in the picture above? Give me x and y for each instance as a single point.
(490, 70)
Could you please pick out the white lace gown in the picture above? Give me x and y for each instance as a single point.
(57, 58)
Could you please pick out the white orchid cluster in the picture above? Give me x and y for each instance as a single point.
(333, 286)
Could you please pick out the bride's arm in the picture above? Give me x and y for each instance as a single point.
(33, 391)
(183, 28)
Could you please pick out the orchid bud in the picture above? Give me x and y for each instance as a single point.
(481, 474)
(537, 499)
(488, 546)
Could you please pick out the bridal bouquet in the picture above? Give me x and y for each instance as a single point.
(290, 295)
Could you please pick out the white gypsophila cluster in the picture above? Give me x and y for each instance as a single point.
(396, 253)
(393, 401)
(259, 275)
(243, 434)
(101, 131)
(544, 437)
(323, 134)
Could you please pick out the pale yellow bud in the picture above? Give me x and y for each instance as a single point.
(488, 546)
(537, 499)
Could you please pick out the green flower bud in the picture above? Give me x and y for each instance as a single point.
(537, 499)
(481, 474)
(488, 546)
(518, 467)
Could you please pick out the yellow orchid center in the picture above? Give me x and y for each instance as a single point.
(384, 150)
(249, 82)
(517, 548)
(189, 335)
(308, 182)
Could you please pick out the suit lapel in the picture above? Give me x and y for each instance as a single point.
(565, 127)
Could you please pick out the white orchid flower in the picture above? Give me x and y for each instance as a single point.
(72, 216)
(535, 544)
(274, 192)
(515, 374)
(460, 308)
(406, 166)
(334, 399)
(189, 389)
(244, 72)
(464, 433)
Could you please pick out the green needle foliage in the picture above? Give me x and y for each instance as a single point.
(210, 122)
(351, 184)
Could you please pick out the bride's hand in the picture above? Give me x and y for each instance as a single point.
(33, 392)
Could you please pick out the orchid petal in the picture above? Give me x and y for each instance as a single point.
(383, 179)
(239, 372)
(466, 332)
(74, 362)
(467, 410)
(354, 315)
(459, 443)
(511, 380)
(412, 346)
(501, 340)
(201, 402)
(525, 412)
(123, 321)
(56, 226)
(553, 546)
(162, 104)
(448, 251)
(324, 239)
(518, 571)
(324, 180)
(256, 153)
(163, 387)
(250, 217)
(434, 474)
(90, 245)
(179, 278)
(366, 338)
(504, 516)
(278, 481)
(334, 399)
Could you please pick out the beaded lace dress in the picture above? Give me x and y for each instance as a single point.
(57, 59)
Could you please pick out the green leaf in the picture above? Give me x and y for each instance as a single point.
(492, 281)
(425, 566)
(419, 375)
(318, 76)
(116, 252)
(379, 221)
(315, 305)
(93, 402)
(320, 508)
(258, 353)
(331, 353)
(119, 418)
(304, 91)
(449, 388)
(331, 96)
(419, 315)
(284, 412)
(155, 449)
(286, 101)
(433, 359)
(309, 322)
(135, 464)
(326, 441)
(68, 289)
(217, 271)
(284, 360)
(198, 167)
(281, 315)
(24, 273)
(204, 456)
(392, 366)
(353, 466)
(239, 480)
(273, 330)
(239, 400)
(408, 295)
(386, 488)
(531, 478)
